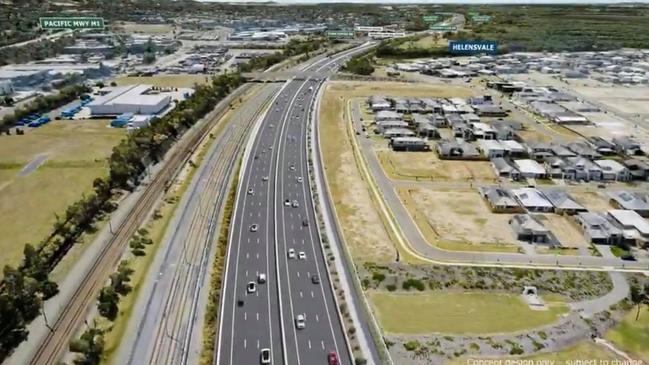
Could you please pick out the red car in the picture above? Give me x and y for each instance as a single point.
(332, 358)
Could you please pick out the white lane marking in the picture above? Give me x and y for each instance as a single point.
(309, 344)
(245, 316)
(301, 296)
(317, 318)
(312, 296)
(322, 343)
(245, 343)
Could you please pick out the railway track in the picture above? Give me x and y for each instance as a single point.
(73, 314)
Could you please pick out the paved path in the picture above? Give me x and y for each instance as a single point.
(33, 164)
(588, 308)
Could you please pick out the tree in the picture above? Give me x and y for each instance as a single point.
(107, 302)
(121, 278)
(90, 346)
(638, 297)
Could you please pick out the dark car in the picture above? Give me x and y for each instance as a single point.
(240, 302)
(315, 279)
(332, 358)
(305, 222)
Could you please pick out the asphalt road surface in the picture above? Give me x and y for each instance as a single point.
(265, 229)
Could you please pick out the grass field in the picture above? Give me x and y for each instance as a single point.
(582, 351)
(425, 42)
(459, 313)
(164, 80)
(146, 28)
(633, 336)
(426, 165)
(76, 155)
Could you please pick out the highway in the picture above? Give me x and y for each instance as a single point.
(264, 230)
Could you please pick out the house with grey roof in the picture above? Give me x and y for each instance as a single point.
(638, 169)
(613, 170)
(627, 146)
(500, 200)
(539, 150)
(602, 146)
(597, 229)
(532, 199)
(584, 169)
(529, 229)
(503, 168)
(584, 150)
(561, 151)
(625, 200)
(563, 202)
(453, 150)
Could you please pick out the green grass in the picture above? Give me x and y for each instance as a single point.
(459, 313)
(619, 251)
(77, 152)
(584, 350)
(631, 335)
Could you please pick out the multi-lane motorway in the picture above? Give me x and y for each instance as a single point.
(274, 234)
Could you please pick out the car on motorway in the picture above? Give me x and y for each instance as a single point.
(256, 157)
(299, 179)
(254, 228)
(291, 253)
(261, 278)
(305, 222)
(295, 204)
(265, 356)
(315, 279)
(292, 167)
(240, 302)
(250, 191)
(301, 255)
(265, 178)
(332, 358)
(287, 202)
(251, 287)
(300, 322)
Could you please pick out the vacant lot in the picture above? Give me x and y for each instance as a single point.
(363, 229)
(164, 80)
(592, 201)
(633, 336)
(460, 217)
(459, 313)
(75, 153)
(426, 165)
(415, 90)
(146, 28)
(566, 231)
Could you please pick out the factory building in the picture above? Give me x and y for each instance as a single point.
(136, 99)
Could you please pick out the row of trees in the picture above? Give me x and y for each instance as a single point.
(44, 104)
(360, 65)
(293, 48)
(22, 289)
(109, 295)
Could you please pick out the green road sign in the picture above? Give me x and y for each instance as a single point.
(430, 18)
(443, 28)
(481, 18)
(72, 23)
(340, 34)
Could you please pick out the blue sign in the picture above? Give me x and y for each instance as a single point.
(472, 47)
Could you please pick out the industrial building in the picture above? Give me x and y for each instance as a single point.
(136, 99)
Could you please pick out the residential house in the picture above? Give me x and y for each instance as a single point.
(561, 151)
(539, 150)
(447, 149)
(613, 170)
(602, 146)
(409, 144)
(483, 131)
(530, 169)
(398, 132)
(584, 150)
(563, 202)
(503, 168)
(625, 200)
(503, 131)
(500, 200)
(638, 169)
(491, 148)
(597, 229)
(633, 225)
(387, 115)
(627, 146)
(532, 199)
(585, 169)
(377, 103)
(529, 229)
(513, 148)
(489, 110)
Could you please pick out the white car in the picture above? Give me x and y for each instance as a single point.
(251, 287)
(265, 356)
(291, 253)
(250, 191)
(295, 204)
(261, 278)
(254, 228)
(302, 255)
(287, 202)
(265, 178)
(300, 322)
(299, 179)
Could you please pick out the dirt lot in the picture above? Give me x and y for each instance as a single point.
(462, 217)
(415, 90)
(363, 229)
(592, 201)
(566, 231)
(426, 165)
(164, 80)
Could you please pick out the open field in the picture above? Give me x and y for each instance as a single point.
(164, 80)
(582, 351)
(425, 42)
(455, 312)
(76, 153)
(362, 226)
(426, 165)
(419, 90)
(460, 217)
(633, 336)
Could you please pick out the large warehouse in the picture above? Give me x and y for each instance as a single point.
(136, 99)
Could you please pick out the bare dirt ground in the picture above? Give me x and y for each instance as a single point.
(566, 231)
(426, 165)
(363, 229)
(593, 201)
(462, 217)
(415, 90)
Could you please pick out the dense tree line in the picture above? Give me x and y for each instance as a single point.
(23, 289)
(360, 65)
(293, 48)
(34, 51)
(43, 104)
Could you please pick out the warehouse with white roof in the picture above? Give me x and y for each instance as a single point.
(136, 99)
